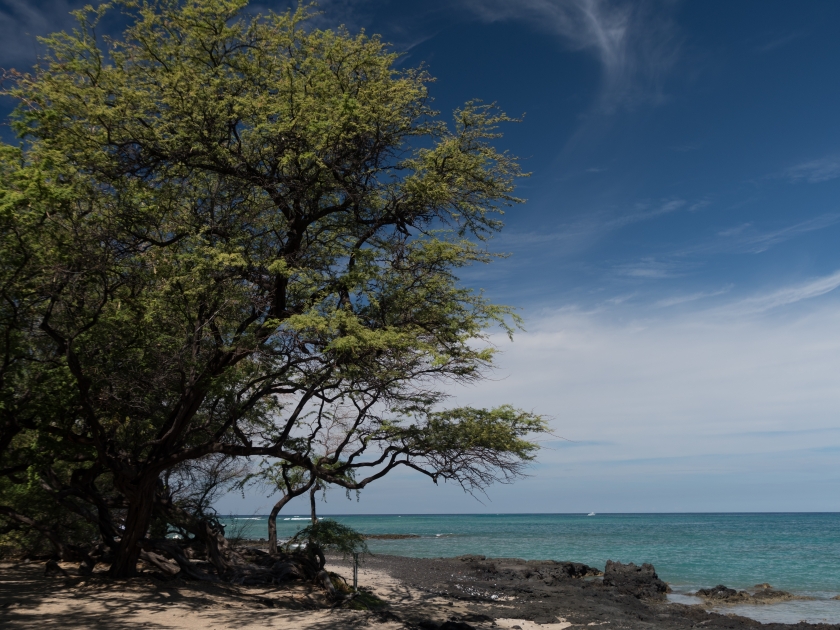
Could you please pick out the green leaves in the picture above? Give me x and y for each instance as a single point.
(329, 535)
(236, 234)
(502, 430)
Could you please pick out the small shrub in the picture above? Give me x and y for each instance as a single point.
(330, 535)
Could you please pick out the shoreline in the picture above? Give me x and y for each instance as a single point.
(468, 592)
(520, 588)
(681, 590)
(790, 551)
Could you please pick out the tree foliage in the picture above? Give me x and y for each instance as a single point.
(329, 535)
(228, 236)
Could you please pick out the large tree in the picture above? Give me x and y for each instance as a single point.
(232, 236)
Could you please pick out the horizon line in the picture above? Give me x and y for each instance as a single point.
(301, 515)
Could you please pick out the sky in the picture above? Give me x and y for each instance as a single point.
(677, 260)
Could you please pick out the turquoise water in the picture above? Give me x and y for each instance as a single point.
(798, 552)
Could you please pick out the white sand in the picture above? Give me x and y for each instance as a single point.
(30, 600)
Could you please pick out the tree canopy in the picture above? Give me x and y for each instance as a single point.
(230, 237)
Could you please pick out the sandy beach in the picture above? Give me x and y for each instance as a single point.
(451, 594)
(29, 599)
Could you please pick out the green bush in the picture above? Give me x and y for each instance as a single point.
(330, 535)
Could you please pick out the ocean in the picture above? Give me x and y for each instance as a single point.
(795, 552)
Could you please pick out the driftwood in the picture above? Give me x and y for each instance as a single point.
(159, 562)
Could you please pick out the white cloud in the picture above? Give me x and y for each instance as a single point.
(785, 296)
(695, 411)
(645, 213)
(649, 268)
(759, 242)
(691, 385)
(734, 231)
(699, 205)
(815, 171)
(635, 42)
(746, 238)
(579, 234)
(778, 42)
(692, 297)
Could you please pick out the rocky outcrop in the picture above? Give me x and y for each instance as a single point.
(639, 581)
(770, 596)
(721, 594)
(546, 571)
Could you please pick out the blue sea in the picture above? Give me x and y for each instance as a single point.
(798, 552)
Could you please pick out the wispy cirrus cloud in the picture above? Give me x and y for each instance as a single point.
(650, 268)
(594, 225)
(778, 42)
(747, 239)
(742, 238)
(636, 43)
(815, 171)
(785, 296)
(645, 212)
(735, 230)
(413, 24)
(691, 297)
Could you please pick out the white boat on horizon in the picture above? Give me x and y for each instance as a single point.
(591, 514)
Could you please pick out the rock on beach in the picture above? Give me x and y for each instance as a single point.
(721, 594)
(639, 581)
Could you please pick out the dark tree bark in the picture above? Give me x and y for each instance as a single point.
(138, 518)
(312, 492)
(272, 517)
(172, 361)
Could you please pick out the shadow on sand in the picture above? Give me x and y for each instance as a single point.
(29, 600)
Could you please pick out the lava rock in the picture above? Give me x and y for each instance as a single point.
(770, 596)
(721, 594)
(638, 581)
(578, 570)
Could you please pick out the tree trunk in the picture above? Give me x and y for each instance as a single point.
(312, 492)
(137, 522)
(272, 525)
(272, 518)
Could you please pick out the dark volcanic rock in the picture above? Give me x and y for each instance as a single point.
(543, 571)
(721, 594)
(634, 580)
(770, 596)
(490, 588)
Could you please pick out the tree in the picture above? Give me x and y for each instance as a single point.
(472, 447)
(222, 230)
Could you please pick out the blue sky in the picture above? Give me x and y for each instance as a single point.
(677, 261)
